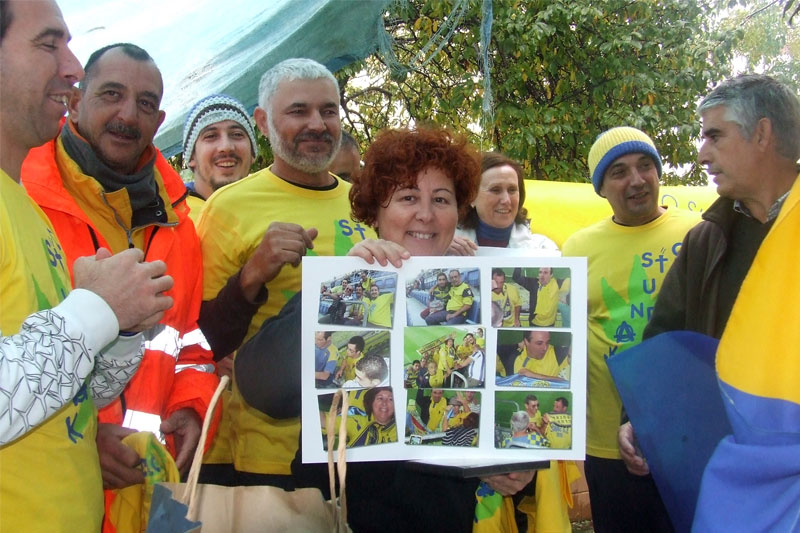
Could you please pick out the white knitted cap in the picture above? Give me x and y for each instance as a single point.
(210, 110)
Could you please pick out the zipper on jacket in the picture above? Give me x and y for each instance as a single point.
(129, 232)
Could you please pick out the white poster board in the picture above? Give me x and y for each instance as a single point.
(547, 361)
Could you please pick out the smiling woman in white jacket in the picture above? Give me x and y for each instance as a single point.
(497, 217)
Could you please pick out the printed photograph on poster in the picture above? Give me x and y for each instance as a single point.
(358, 298)
(535, 419)
(531, 297)
(439, 417)
(421, 388)
(443, 356)
(370, 417)
(351, 359)
(534, 358)
(443, 296)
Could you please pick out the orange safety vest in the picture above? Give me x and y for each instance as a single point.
(177, 370)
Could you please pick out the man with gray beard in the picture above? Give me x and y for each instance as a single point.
(261, 223)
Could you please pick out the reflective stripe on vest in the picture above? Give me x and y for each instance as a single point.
(167, 339)
(196, 337)
(200, 368)
(141, 421)
(163, 338)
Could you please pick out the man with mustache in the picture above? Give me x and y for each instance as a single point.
(293, 205)
(219, 145)
(628, 256)
(102, 183)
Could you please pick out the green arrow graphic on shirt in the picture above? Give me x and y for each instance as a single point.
(627, 318)
(341, 245)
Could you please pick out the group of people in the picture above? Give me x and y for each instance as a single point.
(440, 362)
(351, 368)
(751, 144)
(532, 429)
(547, 299)
(452, 422)
(357, 303)
(449, 301)
(87, 359)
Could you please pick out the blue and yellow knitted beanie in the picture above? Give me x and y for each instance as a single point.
(615, 143)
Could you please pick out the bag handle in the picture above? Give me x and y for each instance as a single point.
(340, 519)
(190, 492)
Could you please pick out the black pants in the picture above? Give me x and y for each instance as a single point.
(622, 502)
(227, 476)
(389, 497)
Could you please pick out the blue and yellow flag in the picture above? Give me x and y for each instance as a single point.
(752, 481)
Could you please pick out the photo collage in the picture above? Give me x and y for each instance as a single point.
(448, 356)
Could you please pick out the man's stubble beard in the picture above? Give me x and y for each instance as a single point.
(309, 164)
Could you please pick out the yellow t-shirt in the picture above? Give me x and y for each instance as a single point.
(442, 295)
(457, 420)
(445, 358)
(195, 207)
(231, 226)
(350, 367)
(436, 380)
(559, 431)
(464, 351)
(547, 365)
(501, 369)
(49, 477)
(460, 296)
(367, 283)
(334, 356)
(546, 304)
(436, 412)
(508, 300)
(363, 431)
(380, 310)
(536, 419)
(626, 265)
(355, 311)
(356, 400)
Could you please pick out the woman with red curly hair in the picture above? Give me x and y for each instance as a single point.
(415, 186)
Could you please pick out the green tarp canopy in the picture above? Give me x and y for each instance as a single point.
(223, 46)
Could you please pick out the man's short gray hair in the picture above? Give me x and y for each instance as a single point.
(289, 70)
(519, 421)
(751, 97)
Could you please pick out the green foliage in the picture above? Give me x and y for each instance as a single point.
(562, 72)
(789, 9)
(767, 45)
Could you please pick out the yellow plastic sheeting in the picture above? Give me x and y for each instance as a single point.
(559, 209)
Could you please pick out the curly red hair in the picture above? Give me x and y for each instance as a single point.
(398, 156)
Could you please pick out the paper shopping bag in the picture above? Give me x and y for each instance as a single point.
(195, 507)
